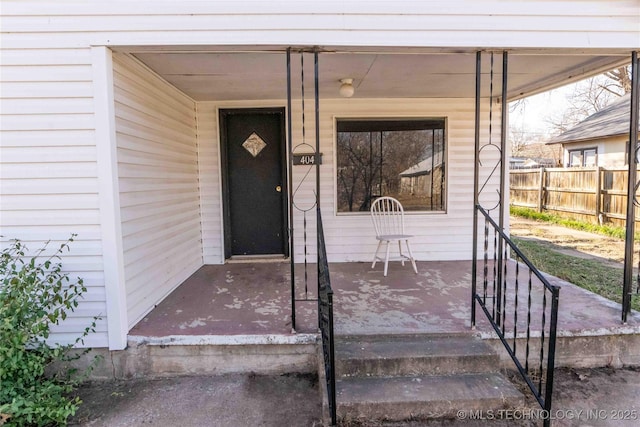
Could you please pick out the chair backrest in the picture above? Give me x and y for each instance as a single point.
(387, 215)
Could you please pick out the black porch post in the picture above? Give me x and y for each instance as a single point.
(290, 188)
(632, 161)
(501, 207)
(317, 160)
(317, 117)
(476, 179)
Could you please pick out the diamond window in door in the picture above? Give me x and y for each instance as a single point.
(254, 144)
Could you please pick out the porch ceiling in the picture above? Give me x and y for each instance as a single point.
(224, 75)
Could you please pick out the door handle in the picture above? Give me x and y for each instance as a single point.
(278, 189)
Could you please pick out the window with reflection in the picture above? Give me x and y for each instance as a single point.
(401, 158)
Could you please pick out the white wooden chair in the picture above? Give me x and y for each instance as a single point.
(388, 220)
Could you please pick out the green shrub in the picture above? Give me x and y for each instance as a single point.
(34, 295)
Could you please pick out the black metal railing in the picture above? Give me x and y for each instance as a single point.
(522, 307)
(325, 319)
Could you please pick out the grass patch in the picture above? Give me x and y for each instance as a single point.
(589, 274)
(606, 230)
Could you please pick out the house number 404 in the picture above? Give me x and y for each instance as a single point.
(305, 159)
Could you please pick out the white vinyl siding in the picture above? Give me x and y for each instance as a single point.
(350, 237)
(158, 179)
(210, 183)
(48, 170)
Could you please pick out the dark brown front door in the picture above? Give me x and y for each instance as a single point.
(254, 181)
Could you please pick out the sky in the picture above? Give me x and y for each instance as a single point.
(532, 117)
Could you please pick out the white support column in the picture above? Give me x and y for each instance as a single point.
(109, 197)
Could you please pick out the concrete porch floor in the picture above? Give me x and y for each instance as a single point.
(254, 299)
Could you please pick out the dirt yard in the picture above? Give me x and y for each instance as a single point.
(572, 242)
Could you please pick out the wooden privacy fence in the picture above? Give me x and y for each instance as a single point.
(597, 195)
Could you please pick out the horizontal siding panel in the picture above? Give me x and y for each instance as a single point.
(80, 321)
(35, 233)
(152, 223)
(141, 306)
(150, 184)
(51, 216)
(157, 196)
(47, 106)
(160, 209)
(48, 186)
(83, 248)
(64, 57)
(147, 131)
(69, 201)
(138, 266)
(170, 97)
(93, 341)
(156, 170)
(142, 238)
(94, 281)
(46, 73)
(68, 154)
(161, 274)
(48, 170)
(136, 80)
(134, 143)
(48, 138)
(165, 111)
(143, 156)
(47, 121)
(178, 266)
(159, 123)
(59, 90)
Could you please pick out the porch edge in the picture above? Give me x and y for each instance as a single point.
(224, 339)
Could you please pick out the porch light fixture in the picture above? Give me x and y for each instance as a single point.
(346, 88)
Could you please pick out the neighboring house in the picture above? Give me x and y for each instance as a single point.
(425, 179)
(530, 163)
(599, 140)
(535, 155)
(120, 122)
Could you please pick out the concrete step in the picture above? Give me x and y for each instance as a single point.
(389, 355)
(423, 397)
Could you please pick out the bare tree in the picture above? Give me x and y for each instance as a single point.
(620, 80)
(592, 95)
(519, 138)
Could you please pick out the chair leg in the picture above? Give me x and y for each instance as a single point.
(413, 261)
(375, 257)
(386, 260)
(401, 256)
